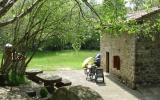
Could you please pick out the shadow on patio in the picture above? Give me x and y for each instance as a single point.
(111, 90)
(141, 93)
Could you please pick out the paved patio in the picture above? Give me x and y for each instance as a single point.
(112, 89)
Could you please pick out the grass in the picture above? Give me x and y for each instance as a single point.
(67, 59)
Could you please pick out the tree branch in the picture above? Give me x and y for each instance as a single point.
(93, 10)
(79, 5)
(3, 2)
(6, 6)
(21, 15)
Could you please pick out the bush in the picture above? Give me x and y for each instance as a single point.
(15, 79)
(88, 41)
(43, 92)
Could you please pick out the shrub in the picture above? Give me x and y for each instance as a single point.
(43, 92)
(15, 79)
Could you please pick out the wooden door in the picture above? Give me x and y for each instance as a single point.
(107, 62)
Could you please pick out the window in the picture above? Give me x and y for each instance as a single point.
(116, 62)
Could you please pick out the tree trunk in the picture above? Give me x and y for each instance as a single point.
(13, 64)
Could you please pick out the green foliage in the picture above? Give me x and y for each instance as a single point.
(56, 43)
(66, 28)
(15, 79)
(116, 21)
(43, 92)
(72, 30)
(114, 16)
(114, 10)
(150, 28)
(144, 4)
(92, 41)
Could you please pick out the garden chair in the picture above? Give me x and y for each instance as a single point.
(99, 74)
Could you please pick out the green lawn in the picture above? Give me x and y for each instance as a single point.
(60, 59)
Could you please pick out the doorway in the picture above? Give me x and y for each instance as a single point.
(107, 62)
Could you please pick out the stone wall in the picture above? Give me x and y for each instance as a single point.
(124, 47)
(147, 61)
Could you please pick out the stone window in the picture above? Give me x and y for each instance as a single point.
(116, 62)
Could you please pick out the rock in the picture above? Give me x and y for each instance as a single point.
(76, 93)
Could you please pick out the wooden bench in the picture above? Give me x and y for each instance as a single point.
(64, 82)
(31, 74)
(49, 80)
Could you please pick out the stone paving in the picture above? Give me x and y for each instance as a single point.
(112, 89)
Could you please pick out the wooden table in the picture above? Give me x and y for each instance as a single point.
(31, 74)
(49, 80)
(33, 71)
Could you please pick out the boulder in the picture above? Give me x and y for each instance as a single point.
(76, 93)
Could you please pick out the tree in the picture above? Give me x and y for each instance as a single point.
(6, 5)
(32, 25)
(14, 61)
(115, 21)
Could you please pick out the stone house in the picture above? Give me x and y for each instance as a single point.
(134, 59)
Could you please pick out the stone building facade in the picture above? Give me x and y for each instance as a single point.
(147, 63)
(134, 59)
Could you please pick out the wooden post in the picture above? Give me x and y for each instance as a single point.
(7, 58)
